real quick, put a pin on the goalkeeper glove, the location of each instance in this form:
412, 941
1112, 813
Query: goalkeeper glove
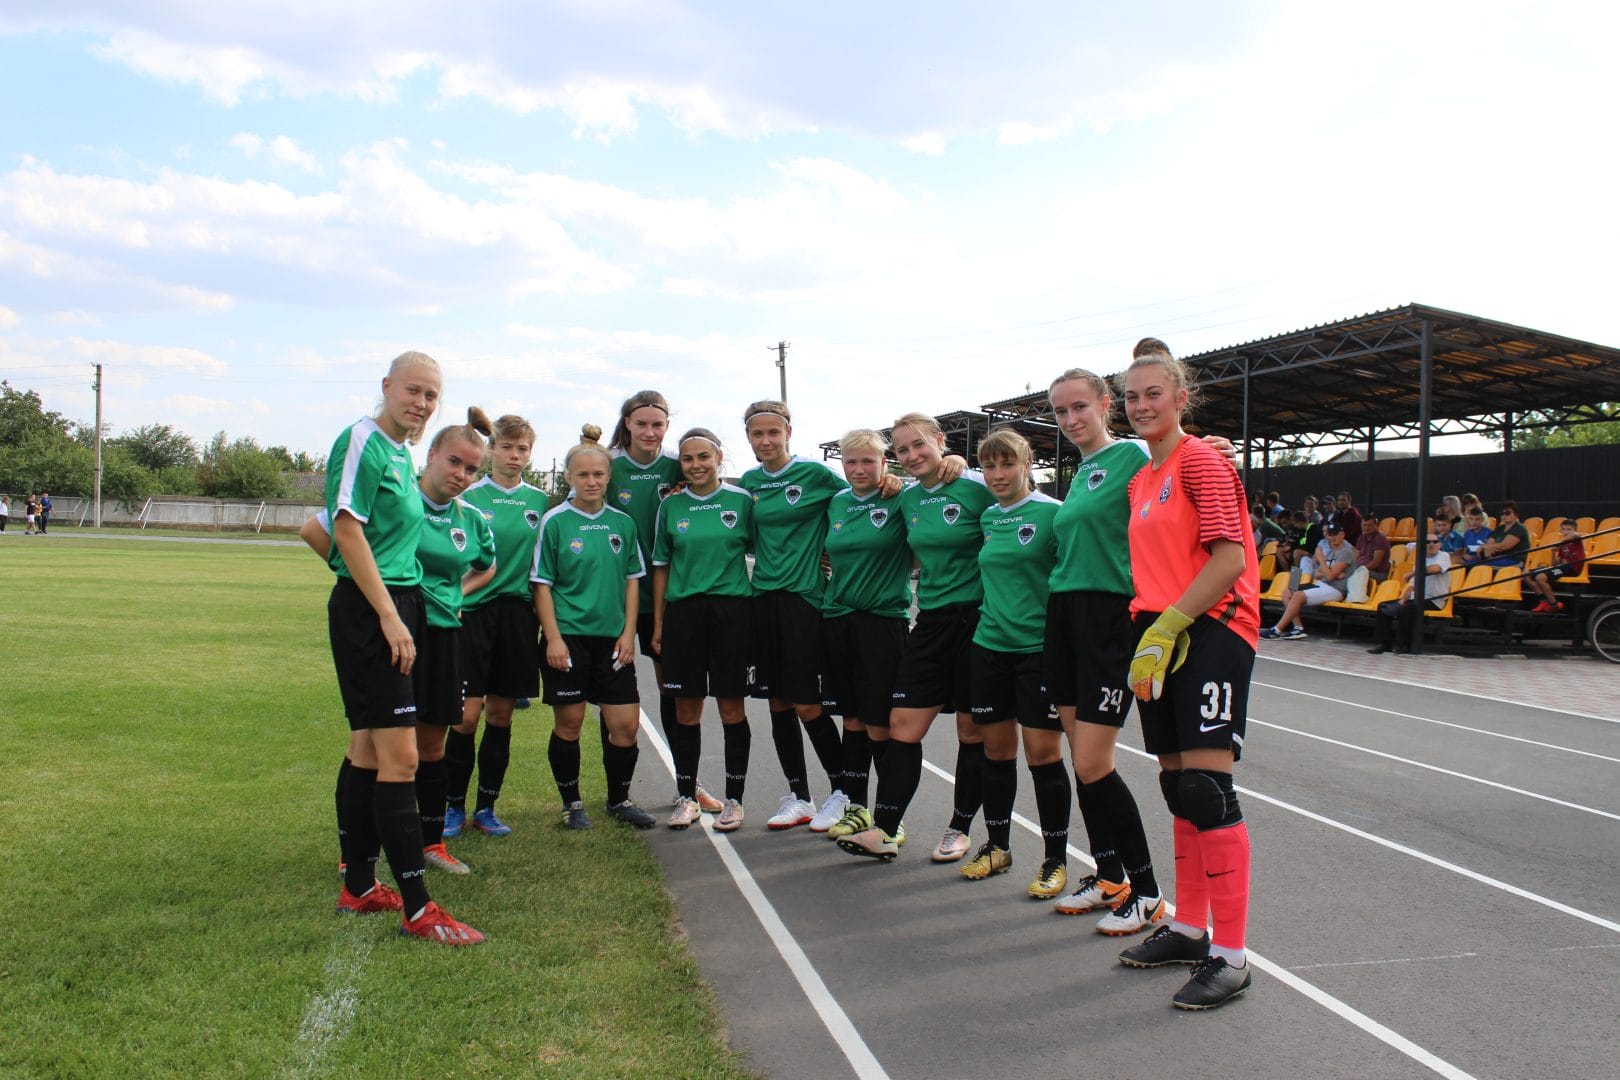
1166, 638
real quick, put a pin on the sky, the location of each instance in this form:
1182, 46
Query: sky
245, 210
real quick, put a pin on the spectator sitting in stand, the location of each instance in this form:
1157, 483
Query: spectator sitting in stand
1509, 540
1308, 541
1265, 529
1454, 511
1347, 516
1308, 508
1331, 570
1475, 535
1451, 540
1569, 557
1274, 507
1396, 618
1372, 548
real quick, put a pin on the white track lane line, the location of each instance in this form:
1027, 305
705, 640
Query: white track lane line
1472, 875
1438, 769
856, 1052
1446, 690
1339, 1008
1442, 723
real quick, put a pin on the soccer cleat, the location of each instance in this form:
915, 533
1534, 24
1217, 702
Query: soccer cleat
871, 843
1214, 982
686, 813
1166, 946
831, 812
1295, 633
631, 814
1270, 633
1541, 609
521, 703
708, 803
856, 819
1134, 914
574, 816
731, 817
952, 846
1092, 894
1050, 880
379, 897
437, 924
989, 861
900, 835
439, 857
455, 817
792, 811
485, 821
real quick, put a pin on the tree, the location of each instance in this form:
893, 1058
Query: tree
241, 470
158, 447
1604, 429
23, 416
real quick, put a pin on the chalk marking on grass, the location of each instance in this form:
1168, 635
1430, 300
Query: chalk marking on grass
856, 1052
1442, 723
1395, 960
1345, 1011
328, 1016
1436, 768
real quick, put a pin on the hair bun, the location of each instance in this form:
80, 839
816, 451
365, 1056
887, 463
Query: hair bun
478, 420
590, 433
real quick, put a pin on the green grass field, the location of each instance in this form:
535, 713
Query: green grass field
170, 857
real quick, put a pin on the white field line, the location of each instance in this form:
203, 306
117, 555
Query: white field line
328, 1016
1436, 768
1442, 723
1472, 875
1448, 691
856, 1052
1394, 960
1315, 993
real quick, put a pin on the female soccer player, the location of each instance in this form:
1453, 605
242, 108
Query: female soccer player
700, 619
375, 618
864, 617
942, 513
1197, 610
501, 637
643, 474
1007, 668
587, 567
1088, 653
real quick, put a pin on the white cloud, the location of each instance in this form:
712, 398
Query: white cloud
224, 409
929, 142
9, 320
224, 74
1023, 133
76, 317
281, 150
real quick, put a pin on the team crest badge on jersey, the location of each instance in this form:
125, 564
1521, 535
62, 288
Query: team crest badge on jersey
615, 543
1164, 492
915, 518
663, 490
624, 496
1095, 480
792, 494
728, 518
683, 524
577, 546
838, 526
532, 517
952, 511
1026, 533
878, 515
458, 537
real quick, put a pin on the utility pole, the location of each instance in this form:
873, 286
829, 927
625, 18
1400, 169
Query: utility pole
97, 388
781, 348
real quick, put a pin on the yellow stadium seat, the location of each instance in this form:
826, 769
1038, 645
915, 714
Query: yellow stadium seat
1552, 527
1506, 586
1268, 567
1534, 525
1586, 525
1405, 529
1386, 525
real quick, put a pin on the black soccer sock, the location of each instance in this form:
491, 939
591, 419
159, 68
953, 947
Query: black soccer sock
494, 754
342, 781
1100, 830
968, 794
458, 766
666, 717
400, 826
564, 757
857, 766
1000, 790
360, 829
1051, 783
785, 728
823, 732
619, 762
898, 781
1125, 825
601, 724
430, 800
739, 738
686, 751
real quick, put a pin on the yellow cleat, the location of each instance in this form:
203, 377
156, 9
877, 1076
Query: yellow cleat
990, 860
1050, 880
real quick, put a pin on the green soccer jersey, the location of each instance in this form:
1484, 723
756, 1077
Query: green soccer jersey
455, 539
637, 489
1015, 563
513, 514
372, 478
586, 559
942, 529
704, 540
790, 523
871, 564
1093, 552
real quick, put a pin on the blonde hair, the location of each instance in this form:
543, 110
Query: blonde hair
409, 361
1151, 352
590, 442
1091, 381
767, 408
641, 399
514, 428
923, 423
473, 432
862, 439
1006, 442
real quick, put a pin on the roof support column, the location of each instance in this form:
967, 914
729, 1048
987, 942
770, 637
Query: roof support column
1420, 514
1372, 451
1507, 456
1245, 423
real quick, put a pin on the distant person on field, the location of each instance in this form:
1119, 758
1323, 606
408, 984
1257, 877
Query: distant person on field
44, 511
5, 511
1567, 559
33, 513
